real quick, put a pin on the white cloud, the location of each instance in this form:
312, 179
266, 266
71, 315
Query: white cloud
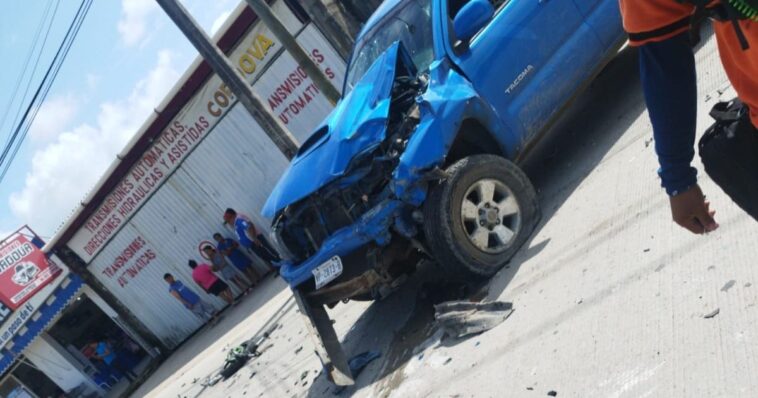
220, 21
135, 15
55, 115
64, 170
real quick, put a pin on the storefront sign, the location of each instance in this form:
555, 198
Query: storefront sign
130, 262
24, 270
5, 313
21, 316
256, 51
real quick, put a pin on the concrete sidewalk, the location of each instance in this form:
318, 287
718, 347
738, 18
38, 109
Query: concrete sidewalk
609, 294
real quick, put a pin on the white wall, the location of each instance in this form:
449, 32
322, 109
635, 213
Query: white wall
53, 360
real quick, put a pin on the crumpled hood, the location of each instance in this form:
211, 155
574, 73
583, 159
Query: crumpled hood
357, 124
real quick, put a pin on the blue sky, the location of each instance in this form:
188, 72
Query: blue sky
126, 58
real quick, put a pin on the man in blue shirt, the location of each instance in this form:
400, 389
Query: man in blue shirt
230, 248
249, 237
104, 352
187, 297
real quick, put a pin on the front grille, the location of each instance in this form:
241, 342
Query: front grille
305, 225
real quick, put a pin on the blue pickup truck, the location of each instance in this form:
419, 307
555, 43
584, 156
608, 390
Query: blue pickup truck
441, 100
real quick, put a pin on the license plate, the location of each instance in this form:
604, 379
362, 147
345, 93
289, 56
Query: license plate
327, 271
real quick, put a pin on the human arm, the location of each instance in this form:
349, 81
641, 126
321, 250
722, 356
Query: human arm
102, 351
179, 297
669, 82
229, 246
242, 228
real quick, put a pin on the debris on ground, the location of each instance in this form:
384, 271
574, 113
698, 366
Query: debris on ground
211, 381
462, 318
237, 358
297, 351
711, 314
552, 393
728, 285
356, 364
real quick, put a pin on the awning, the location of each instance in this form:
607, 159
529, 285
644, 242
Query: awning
41, 320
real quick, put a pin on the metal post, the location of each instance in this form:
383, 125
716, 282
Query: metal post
231, 76
328, 347
288, 42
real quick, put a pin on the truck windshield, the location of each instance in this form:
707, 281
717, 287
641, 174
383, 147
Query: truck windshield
411, 24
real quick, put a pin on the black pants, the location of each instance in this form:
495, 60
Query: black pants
265, 251
729, 150
123, 370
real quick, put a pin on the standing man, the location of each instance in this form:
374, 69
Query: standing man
729, 150
104, 352
219, 264
249, 236
230, 248
187, 297
204, 276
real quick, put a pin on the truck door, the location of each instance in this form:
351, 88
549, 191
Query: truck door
528, 60
604, 17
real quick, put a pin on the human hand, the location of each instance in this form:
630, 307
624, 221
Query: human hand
690, 210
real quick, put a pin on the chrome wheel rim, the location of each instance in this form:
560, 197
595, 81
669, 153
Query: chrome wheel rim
490, 215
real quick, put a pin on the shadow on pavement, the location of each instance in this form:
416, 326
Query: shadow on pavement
577, 144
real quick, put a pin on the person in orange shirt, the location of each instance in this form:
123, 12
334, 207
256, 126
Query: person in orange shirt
665, 31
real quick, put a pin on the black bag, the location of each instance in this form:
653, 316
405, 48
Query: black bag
729, 151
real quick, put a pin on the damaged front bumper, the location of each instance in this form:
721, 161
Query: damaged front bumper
372, 227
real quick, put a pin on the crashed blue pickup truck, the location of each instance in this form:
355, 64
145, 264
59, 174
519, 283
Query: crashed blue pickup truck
441, 100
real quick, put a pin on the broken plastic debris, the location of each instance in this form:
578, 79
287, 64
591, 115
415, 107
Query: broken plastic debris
357, 364
711, 314
462, 318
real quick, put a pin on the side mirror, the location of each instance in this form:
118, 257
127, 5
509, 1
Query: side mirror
472, 18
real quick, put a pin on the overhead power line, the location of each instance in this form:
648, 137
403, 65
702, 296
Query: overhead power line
24, 124
29, 56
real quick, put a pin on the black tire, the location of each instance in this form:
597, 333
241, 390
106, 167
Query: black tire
448, 234
230, 368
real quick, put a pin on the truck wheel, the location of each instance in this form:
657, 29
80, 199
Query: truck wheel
476, 219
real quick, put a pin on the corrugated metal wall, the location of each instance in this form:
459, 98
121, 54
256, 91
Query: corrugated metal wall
234, 166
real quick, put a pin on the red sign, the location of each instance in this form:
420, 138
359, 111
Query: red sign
24, 270
202, 246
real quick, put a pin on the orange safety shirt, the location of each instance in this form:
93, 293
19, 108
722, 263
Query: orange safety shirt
658, 20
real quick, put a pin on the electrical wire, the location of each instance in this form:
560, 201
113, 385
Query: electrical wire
36, 64
21, 130
29, 56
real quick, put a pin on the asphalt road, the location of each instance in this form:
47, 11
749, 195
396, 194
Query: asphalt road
609, 295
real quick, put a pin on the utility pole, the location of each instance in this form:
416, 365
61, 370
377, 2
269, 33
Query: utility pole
231, 76
290, 44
